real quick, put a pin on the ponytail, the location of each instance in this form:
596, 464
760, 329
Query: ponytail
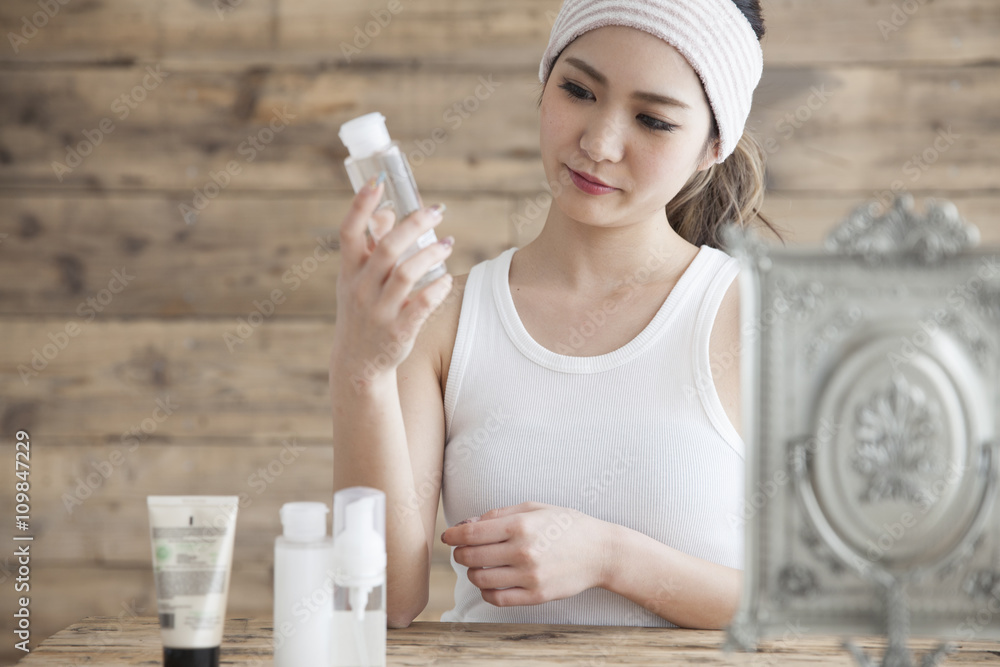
729, 192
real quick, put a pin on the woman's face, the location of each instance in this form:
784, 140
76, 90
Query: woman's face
596, 120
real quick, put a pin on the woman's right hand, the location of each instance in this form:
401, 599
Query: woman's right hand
378, 319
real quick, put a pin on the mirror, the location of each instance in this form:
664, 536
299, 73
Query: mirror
871, 382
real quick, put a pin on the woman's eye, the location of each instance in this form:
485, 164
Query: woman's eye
574, 90
651, 124
654, 124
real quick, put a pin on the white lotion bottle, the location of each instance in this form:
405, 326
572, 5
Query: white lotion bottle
372, 151
303, 568
359, 619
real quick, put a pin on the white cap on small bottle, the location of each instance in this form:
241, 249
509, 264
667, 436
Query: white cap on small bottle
365, 135
304, 522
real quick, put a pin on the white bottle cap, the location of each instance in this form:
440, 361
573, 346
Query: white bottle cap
304, 522
365, 135
359, 533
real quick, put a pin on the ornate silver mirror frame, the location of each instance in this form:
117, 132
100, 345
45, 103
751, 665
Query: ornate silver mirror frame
871, 384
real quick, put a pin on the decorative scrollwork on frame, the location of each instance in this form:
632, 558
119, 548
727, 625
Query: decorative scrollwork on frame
983, 584
833, 330
970, 335
803, 299
901, 232
821, 550
798, 581
962, 559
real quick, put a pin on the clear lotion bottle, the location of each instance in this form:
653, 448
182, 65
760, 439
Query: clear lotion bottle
359, 619
372, 152
303, 566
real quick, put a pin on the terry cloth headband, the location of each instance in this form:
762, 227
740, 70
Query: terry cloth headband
713, 35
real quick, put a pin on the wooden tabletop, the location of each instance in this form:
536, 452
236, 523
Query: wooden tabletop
247, 642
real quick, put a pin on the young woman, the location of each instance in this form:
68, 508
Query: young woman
574, 401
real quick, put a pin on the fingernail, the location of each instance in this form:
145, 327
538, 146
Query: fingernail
447, 242
376, 181
470, 520
437, 209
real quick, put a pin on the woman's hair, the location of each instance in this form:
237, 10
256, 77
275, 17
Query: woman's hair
728, 192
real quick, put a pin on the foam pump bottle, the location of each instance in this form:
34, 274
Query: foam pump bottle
359, 620
303, 568
372, 152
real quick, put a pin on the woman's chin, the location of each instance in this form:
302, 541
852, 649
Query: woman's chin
587, 212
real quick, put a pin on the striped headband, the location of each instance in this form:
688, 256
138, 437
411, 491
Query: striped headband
713, 35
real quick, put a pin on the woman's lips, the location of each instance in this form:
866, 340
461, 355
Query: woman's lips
589, 186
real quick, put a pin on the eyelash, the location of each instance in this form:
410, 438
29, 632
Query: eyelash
656, 126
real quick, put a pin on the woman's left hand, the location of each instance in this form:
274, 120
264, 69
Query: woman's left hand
532, 553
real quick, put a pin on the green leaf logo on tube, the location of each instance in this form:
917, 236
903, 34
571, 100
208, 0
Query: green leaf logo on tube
192, 544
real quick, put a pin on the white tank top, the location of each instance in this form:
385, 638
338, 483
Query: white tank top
637, 437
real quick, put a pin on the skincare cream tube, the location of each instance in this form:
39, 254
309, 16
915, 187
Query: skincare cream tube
192, 538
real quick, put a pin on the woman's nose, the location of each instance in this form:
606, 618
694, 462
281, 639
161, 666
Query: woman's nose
603, 140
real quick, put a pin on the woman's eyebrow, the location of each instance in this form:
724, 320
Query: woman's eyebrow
639, 95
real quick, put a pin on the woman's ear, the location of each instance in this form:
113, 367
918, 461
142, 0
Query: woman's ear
711, 155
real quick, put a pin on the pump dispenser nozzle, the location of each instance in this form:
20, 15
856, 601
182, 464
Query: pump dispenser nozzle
360, 552
359, 569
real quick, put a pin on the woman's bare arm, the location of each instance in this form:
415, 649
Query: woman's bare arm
376, 367
374, 446
687, 591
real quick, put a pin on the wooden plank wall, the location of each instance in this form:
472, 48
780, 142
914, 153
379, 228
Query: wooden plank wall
140, 103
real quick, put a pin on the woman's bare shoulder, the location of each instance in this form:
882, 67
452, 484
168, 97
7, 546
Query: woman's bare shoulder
724, 353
